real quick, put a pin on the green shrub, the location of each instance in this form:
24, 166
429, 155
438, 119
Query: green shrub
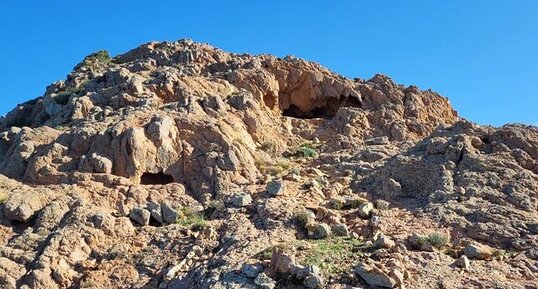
194, 220
437, 239
307, 151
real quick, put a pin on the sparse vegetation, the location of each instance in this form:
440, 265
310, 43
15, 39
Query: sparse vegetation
272, 168
334, 256
307, 151
101, 56
437, 240
194, 220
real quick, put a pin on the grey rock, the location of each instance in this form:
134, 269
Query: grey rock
322, 231
365, 210
170, 215
140, 215
375, 277
264, 281
251, 271
306, 271
463, 262
276, 188
156, 212
313, 281
241, 200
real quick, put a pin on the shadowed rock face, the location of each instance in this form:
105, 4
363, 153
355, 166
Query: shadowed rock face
151, 170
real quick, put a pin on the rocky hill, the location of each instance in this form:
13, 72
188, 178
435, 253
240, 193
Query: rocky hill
179, 165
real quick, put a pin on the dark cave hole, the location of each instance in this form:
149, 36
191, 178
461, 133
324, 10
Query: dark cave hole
326, 111
156, 179
352, 102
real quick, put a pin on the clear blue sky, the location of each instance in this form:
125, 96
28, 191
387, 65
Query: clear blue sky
483, 55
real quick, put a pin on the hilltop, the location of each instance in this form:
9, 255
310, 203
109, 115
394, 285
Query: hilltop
179, 165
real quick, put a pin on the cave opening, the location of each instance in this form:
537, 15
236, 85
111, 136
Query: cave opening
156, 179
352, 102
326, 111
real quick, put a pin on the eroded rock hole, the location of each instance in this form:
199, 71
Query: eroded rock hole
326, 111
352, 102
156, 179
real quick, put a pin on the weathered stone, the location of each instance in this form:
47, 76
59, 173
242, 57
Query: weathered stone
374, 276
276, 188
241, 200
140, 215
156, 211
463, 262
340, 230
321, 231
365, 210
265, 281
170, 215
251, 271
475, 251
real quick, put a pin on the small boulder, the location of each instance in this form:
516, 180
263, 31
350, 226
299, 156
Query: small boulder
463, 262
383, 242
365, 210
321, 231
170, 215
313, 281
241, 200
156, 212
307, 271
251, 271
475, 251
375, 276
264, 281
276, 188
140, 215
340, 230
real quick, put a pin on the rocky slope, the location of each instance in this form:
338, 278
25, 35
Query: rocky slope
178, 165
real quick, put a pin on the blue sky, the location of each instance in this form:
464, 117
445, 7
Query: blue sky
483, 55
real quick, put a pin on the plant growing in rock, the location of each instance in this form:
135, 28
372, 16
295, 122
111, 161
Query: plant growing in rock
437, 240
307, 151
335, 255
192, 219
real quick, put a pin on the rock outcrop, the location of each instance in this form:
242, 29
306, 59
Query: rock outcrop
179, 165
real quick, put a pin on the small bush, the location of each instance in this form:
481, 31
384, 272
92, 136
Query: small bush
192, 219
307, 151
437, 239
99, 56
